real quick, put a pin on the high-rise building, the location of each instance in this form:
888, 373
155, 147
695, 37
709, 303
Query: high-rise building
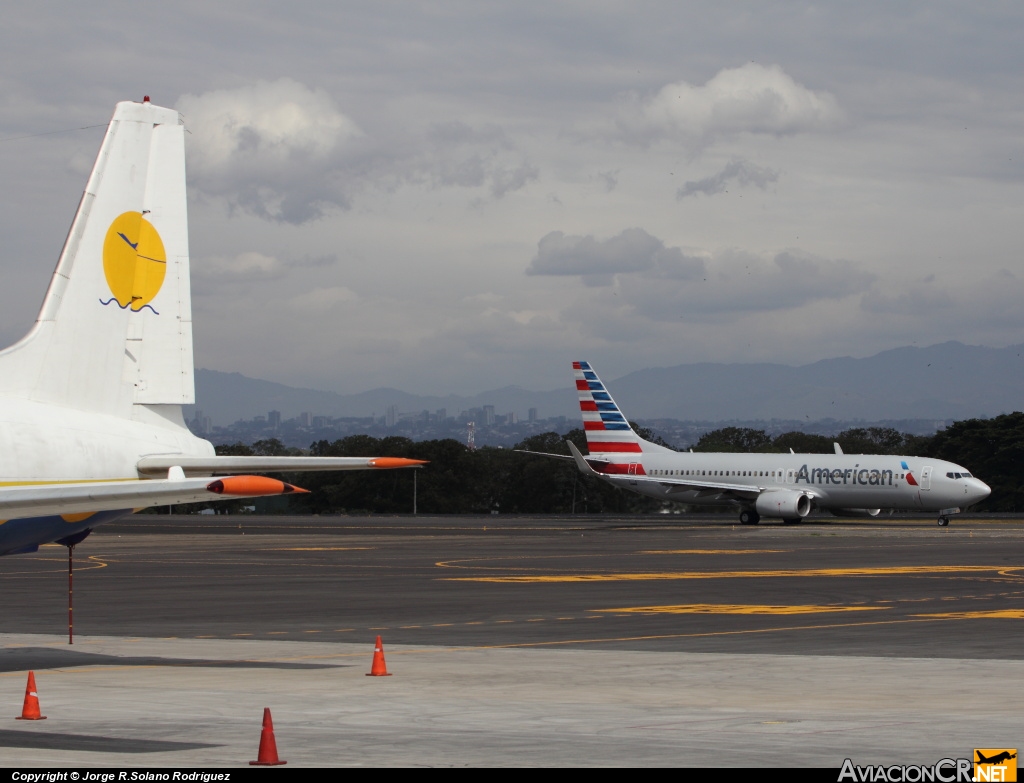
274, 419
391, 416
531, 415
306, 419
488, 414
442, 414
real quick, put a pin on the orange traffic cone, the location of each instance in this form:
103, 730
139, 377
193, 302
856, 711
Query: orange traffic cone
378, 669
30, 710
267, 756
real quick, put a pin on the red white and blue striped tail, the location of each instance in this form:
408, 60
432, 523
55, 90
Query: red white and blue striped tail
607, 430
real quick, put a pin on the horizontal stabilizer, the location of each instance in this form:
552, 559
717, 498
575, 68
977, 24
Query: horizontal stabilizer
209, 466
39, 500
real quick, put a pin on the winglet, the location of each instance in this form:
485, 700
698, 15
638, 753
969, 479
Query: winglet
839, 449
581, 463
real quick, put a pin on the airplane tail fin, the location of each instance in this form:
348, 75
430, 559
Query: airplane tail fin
115, 328
607, 430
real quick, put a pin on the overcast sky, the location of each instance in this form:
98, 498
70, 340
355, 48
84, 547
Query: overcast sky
451, 197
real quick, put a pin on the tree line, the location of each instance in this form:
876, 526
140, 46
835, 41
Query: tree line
495, 480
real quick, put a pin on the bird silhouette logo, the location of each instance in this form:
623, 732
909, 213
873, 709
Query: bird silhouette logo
134, 262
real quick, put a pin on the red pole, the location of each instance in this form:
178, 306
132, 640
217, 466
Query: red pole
71, 635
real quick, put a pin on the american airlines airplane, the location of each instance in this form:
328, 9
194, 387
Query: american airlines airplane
91, 426
782, 486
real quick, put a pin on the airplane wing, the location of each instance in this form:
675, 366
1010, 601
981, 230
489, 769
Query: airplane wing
543, 454
38, 500
208, 466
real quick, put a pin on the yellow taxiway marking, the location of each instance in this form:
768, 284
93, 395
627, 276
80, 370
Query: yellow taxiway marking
790, 572
710, 551
1002, 614
733, 609
90, 563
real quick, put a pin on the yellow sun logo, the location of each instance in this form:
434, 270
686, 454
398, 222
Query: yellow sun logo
134, 261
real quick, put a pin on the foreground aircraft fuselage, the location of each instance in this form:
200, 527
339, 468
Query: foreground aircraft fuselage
91, 425
784, 486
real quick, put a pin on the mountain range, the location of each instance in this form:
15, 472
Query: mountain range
945, 381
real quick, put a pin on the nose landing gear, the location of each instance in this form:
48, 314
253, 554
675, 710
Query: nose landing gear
943, 521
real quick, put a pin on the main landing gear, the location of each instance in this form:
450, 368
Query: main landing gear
749, 517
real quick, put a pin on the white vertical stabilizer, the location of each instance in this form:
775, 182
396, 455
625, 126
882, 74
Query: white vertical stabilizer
115, 328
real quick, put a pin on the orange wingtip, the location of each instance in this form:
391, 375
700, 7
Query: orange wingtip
251, 486
396, 462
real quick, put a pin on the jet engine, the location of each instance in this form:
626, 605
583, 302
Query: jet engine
784, 503
855, 512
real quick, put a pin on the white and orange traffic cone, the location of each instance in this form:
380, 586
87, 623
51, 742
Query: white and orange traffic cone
30, 710
267, 757
378, 668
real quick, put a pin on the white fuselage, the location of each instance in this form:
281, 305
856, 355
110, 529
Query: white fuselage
840, 481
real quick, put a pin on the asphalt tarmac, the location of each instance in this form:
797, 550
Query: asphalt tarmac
518, 641
904, 588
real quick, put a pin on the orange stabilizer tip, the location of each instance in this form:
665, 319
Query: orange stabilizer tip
251, 486
396, 462
378, 668
267, 757
30, 710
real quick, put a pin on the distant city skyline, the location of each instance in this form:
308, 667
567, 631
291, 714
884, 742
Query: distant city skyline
505, 431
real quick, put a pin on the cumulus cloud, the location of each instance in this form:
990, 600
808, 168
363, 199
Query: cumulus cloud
739, 171
321, 299
750, 99
244, 266
455, 154
267, 147
738, 282
610, 179
252, 266
285, 152
598, 261
918, 301
643, 277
